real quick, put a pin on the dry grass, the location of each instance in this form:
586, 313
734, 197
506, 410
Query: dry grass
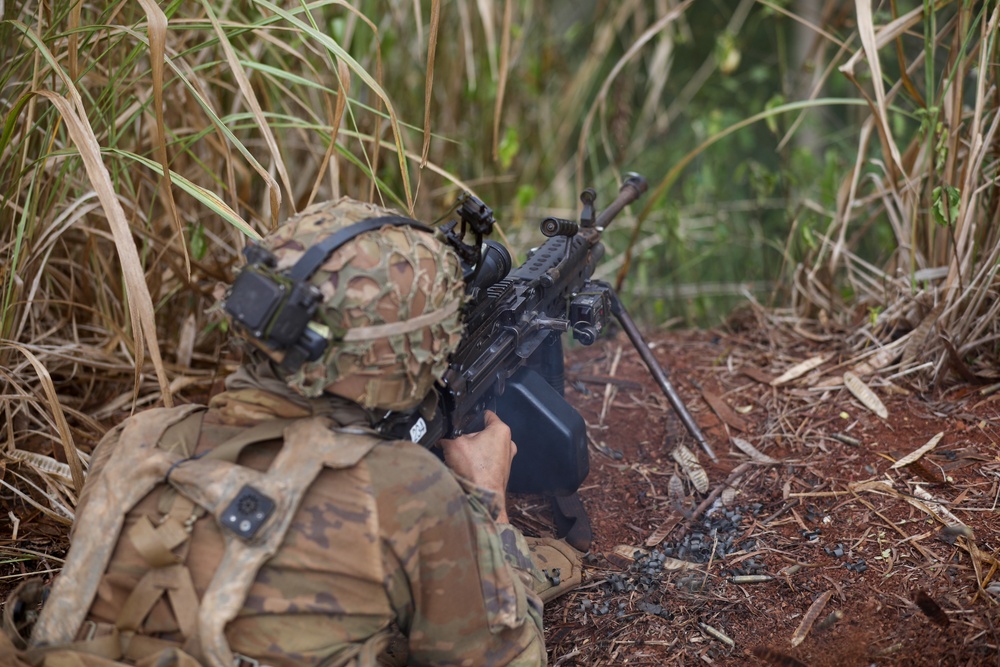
927, 167
140, 149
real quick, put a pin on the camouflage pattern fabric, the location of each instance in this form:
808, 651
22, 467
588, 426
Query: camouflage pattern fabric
391, 302
395, 542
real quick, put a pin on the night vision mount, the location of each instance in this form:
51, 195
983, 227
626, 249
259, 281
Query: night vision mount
277, 307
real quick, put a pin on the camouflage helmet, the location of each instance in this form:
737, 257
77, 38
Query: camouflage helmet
391, 301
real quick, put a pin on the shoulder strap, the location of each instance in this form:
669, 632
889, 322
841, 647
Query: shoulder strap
213, 481
309, 446
97, 529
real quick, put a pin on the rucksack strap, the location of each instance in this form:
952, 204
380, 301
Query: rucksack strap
212, 482
138, 460
310, 445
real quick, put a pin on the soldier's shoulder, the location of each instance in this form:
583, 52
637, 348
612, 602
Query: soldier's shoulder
405, 469
392, 457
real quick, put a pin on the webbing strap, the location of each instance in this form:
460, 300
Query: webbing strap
156, 544
230, 449
316, 255
173, 581
309, 446
138, 460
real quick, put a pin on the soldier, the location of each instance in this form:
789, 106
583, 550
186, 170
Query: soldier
279, 525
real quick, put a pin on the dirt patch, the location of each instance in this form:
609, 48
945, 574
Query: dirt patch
828, 544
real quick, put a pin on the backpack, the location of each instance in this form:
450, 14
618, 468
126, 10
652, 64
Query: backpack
253, 510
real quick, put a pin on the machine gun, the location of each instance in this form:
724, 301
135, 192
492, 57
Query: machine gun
510, 359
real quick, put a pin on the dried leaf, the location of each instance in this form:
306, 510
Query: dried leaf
757, 374
185, 342
872, 485
915, 339
623, 555
931, 609
878, 360
724, 412
43, 464
917, 453
661, 533
689, 464
933, 506
728, 496
629, 552
753, 452
675, 564
675, 487
798, 370
813, 613
867, 397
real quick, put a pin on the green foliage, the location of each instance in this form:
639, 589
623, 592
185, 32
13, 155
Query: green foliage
945, 202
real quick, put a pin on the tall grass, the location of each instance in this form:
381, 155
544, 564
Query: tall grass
142, 143
925, 179
140, 146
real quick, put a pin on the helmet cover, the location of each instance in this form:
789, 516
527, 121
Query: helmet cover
391, 306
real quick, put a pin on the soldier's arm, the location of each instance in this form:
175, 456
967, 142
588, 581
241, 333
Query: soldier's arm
460, 581
484, 459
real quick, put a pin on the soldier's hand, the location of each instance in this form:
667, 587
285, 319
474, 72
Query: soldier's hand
484, 458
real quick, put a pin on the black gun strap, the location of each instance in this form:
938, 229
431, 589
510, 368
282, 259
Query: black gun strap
316, 255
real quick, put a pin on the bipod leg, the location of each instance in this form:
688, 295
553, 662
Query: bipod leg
658, 373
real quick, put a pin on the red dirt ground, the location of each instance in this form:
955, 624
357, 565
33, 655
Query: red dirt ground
804, 520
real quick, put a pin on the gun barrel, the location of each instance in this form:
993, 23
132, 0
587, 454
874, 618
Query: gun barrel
633, 188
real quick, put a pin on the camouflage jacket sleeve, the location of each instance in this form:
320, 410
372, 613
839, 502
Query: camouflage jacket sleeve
460, 584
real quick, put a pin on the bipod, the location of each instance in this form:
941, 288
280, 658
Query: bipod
642, 347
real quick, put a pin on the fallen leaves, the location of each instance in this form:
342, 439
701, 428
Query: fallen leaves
723, 411
755, 455
864, 394
917, 453
689, 464
813, 613
798, 370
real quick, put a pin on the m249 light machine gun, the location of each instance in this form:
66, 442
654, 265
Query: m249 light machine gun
511, 356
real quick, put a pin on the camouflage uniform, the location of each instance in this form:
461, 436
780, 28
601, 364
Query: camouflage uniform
396, 541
